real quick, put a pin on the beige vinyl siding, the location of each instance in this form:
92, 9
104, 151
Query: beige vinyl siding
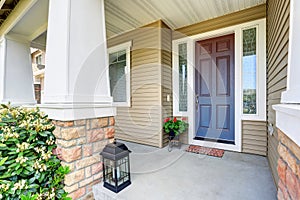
254, 137
231, 19
141, 122
277, 60
166, 72
151, 82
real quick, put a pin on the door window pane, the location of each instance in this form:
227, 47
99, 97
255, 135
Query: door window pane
249, 71
182, 77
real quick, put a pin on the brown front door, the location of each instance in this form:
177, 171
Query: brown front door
214, 85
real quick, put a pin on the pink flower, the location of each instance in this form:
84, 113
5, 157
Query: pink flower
166, 120
184, 118
174, 120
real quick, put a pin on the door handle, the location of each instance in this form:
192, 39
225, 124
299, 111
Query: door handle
197, 101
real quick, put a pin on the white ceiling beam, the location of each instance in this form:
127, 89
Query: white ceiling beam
16, 15
2, 3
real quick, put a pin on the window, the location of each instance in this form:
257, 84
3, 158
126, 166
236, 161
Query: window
119, 73
38, 59
182, 76
253, 70
249, 61
181, 67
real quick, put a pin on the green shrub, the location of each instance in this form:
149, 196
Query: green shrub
28, 168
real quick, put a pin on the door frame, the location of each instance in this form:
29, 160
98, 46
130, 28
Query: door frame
239, 116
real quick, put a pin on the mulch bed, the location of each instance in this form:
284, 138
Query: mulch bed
205, 150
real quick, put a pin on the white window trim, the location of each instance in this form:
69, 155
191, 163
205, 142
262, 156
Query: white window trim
261, 107
124, 46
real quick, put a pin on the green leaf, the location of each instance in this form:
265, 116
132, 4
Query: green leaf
40, 142
4, 106
17, 166
8, 162
29, 168
31, 181
37, 175
9, 120
26, 172
43, 134
2, 145
41, 178
34, 186
2, 124
6, 175
3, 161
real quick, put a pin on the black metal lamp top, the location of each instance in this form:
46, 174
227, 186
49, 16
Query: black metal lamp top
115, 151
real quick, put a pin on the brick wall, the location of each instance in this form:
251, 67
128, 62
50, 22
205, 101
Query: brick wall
288, 168
79, 144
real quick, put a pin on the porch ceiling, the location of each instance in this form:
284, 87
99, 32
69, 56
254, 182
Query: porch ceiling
125, 15
6, 6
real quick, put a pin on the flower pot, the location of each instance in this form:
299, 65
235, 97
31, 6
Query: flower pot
171, 135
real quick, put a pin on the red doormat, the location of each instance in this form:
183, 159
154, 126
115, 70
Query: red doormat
206, 150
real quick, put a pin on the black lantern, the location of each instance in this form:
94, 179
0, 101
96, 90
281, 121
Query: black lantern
116, 166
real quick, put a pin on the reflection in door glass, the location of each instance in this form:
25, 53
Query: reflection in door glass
249, 71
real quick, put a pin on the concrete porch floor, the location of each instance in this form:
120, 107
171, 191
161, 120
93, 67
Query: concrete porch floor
177, 175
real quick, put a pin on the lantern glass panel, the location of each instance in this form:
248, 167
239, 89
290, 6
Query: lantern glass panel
124, 172
109, 171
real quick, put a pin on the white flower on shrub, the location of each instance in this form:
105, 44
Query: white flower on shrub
5, 187
20, 185
39, 166
40, 149
52, 194
47, 155
50, 141
21, 159
8, 133
23, 146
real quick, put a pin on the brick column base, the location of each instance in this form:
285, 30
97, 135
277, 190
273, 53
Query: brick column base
288, 168
79, 144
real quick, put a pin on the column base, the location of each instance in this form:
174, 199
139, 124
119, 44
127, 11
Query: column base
288, 120
67, 112
17, 102
291, 96
79, 145
288, 168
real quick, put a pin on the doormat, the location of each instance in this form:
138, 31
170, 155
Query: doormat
206, 150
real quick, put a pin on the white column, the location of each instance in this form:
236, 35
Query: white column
292, 95
16, 78
76, 74
288, 112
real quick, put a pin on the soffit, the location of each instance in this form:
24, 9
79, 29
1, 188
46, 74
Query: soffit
125, 15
